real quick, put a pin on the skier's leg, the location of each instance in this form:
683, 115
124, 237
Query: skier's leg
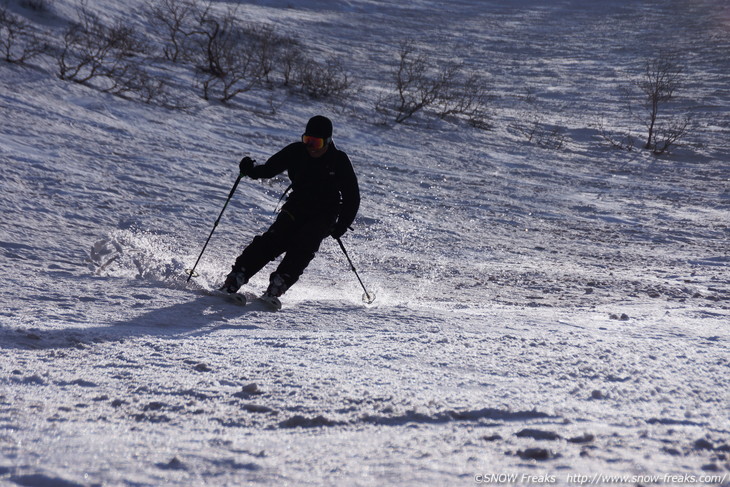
302, 249
265, 247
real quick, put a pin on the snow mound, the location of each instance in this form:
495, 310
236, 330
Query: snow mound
137, 254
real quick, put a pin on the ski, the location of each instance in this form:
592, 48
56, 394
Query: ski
247, 299
270, 302
235, 298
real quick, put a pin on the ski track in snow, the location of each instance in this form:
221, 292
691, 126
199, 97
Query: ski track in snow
538, 311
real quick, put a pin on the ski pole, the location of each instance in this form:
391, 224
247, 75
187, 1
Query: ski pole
367, 297
191, 272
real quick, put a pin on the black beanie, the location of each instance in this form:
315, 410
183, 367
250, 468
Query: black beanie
319, 126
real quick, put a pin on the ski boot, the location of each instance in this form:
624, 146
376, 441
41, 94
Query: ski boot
277, 287
234, 281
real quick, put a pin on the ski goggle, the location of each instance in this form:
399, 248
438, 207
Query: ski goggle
315, 143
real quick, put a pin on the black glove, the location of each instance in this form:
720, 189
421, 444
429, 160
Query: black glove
338, 230
246, 165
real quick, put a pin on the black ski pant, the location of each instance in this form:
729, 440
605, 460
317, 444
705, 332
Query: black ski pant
297, 237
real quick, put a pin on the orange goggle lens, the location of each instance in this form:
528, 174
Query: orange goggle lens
315, 143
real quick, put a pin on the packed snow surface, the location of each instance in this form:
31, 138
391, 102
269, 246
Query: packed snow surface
550, 312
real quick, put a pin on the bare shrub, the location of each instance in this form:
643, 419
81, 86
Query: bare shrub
649, 98
414, 88
669, 133
540, 125
226, 59
623, 141
174, 18
660, 81
320, 80
466, 97
542, 134
420, 85
289, 57
107, 58
93, 50
270, 49
231, 57
18, 42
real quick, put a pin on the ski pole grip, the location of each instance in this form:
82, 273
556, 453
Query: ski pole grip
246, 165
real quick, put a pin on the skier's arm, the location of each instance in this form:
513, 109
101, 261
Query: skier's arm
350, 192
276, 164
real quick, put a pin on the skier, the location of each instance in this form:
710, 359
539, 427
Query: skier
324, 200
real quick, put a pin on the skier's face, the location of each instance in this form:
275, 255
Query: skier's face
316, 146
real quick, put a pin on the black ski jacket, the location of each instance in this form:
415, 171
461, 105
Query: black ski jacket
324, 187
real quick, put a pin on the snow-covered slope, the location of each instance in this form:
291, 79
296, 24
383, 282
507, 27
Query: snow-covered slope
543, 312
